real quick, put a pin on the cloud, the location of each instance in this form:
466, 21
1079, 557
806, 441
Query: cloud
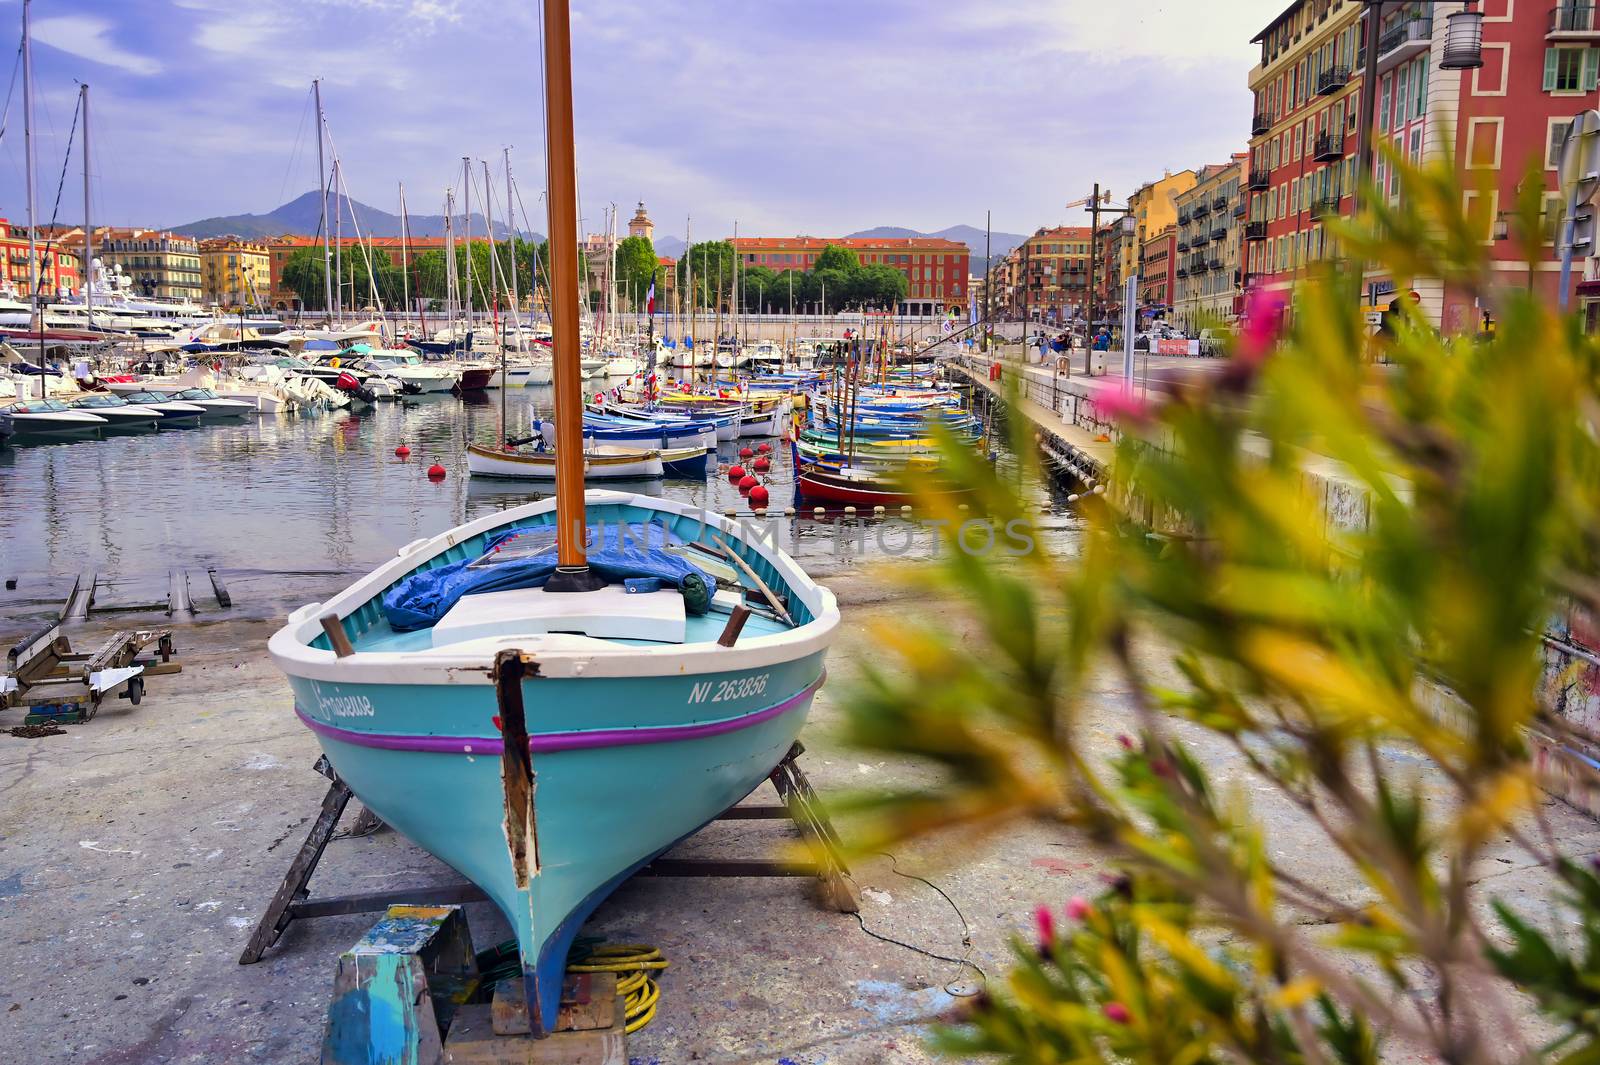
90, 38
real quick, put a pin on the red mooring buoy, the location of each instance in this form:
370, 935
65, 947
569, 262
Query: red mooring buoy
746, 483
735, 472
402, 451
762, 464
758, 497
436, 472
745, 453
763, 447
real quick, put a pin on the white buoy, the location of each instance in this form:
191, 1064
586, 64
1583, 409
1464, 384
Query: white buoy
1073, 498
877, 510
849, 510
905, 508
820, 511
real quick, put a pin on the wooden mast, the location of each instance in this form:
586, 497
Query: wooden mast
572, 566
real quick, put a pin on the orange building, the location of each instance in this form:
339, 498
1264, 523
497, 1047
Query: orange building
282, 248
935, 269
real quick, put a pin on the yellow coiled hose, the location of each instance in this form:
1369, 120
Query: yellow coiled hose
633, 963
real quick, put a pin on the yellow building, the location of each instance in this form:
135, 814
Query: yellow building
234, 272
159, 263
1154, 207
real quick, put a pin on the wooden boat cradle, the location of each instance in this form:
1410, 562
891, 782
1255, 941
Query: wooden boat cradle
798, 803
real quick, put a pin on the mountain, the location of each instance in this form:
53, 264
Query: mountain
971, 236
670, 247
303, 215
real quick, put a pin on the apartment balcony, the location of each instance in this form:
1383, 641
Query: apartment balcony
1183, 218
1573, 22
1328, 147
1200, 209
1410, 38
1255, 231
1332, 80
1214, 263
1219, 232
1326, 205
1260, 123
1199, 239
1183, 271
1219, 203
1241, 208
1260, 179
1183, 245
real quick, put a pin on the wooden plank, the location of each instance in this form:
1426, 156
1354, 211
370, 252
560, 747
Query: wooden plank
588, 1002
219, 589
337, 637
730, 632
278, 914
472, 1042
118, 650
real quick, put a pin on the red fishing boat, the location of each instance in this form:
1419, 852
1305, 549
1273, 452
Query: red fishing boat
858, 487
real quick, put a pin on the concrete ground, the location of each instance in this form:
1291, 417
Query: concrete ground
138, 850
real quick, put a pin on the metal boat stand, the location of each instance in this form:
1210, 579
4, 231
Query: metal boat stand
799, 804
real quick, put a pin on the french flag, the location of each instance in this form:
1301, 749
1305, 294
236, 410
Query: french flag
650, 299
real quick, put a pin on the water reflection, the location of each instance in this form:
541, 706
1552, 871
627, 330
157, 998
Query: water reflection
296, 493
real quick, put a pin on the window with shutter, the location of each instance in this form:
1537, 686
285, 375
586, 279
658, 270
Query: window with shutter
1550, 58
1591, 69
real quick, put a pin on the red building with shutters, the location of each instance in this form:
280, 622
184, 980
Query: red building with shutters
1539, 67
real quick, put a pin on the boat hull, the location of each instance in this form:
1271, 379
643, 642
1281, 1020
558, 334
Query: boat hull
541, 466
593, 787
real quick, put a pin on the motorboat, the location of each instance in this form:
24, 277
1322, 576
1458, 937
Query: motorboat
410, 369
173, 412
623, 366
474, 378
51, 417
213, 406
118, 411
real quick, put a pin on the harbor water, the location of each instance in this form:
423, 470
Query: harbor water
285, 507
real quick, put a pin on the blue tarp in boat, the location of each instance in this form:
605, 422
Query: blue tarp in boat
526, 557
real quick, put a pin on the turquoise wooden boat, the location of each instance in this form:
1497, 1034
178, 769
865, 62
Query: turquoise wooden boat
640, 727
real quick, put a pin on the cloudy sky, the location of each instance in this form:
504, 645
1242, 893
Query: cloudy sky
808, 116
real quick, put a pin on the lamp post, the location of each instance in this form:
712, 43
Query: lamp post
1463, 51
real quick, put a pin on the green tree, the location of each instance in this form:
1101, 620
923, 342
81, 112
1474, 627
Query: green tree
1312, 641
636, 267
877, 285
303, 272
711, 259
834, 257
833, 288
757, 286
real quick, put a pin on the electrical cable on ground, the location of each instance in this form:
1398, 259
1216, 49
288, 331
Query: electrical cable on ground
965, 961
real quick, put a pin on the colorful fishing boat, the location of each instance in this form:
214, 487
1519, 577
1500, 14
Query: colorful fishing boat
548, 697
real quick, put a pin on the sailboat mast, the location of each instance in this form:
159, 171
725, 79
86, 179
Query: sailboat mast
733, 300
466, 211
572, 568
87, 270
322, 192
34, 271
488, 221
405, 259
338, 241
511, 221
450, 264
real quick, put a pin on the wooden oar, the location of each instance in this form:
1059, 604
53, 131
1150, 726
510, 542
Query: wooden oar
760, 584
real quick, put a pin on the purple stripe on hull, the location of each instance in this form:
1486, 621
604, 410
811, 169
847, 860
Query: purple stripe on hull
559, 741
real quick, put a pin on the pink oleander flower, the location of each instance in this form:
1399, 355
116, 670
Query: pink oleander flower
1078, 908
1114, 404
1263, 325
1116, 1011
1046, 922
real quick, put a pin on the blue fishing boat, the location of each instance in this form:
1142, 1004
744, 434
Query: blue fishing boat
640, 726
548, 697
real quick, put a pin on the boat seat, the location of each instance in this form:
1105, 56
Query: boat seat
608, 613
